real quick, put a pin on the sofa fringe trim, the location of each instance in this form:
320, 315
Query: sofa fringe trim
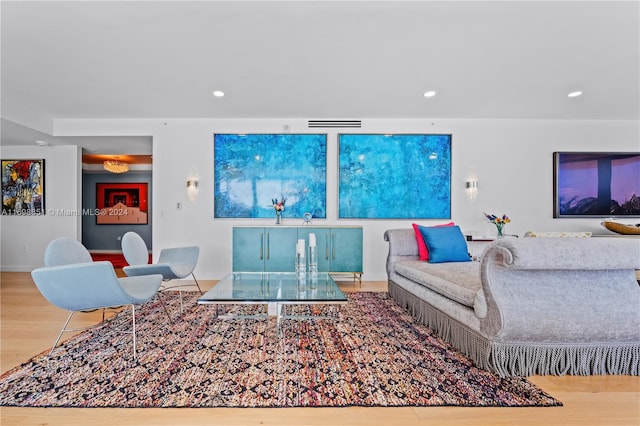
522, 360
579, 360
461, 337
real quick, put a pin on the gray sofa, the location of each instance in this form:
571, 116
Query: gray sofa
532, 305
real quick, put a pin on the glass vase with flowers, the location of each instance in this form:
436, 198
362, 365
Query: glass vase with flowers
278, 207
499, 222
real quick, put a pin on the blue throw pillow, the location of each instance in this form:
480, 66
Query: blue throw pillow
445, 244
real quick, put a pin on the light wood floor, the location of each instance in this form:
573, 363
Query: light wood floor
30, 324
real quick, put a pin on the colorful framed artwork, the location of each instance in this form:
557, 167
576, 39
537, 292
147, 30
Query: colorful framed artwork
394, 176
122, 204
252, 170
23, 187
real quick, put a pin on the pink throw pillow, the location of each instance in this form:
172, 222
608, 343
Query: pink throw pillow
422, 246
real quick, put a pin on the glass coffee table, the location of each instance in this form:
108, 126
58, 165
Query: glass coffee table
274, 290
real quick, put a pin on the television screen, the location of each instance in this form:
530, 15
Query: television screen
596, 184
394, 176
251, 170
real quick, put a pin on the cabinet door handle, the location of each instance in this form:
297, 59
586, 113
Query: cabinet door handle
333, 246
268, 246
261, 245
326, 246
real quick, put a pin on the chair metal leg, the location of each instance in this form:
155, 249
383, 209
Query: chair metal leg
164, 306
133, 326
180, 290
199, 288
64, 328
179, 286
164, 288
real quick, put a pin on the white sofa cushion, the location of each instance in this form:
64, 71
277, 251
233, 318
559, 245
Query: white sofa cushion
458, 281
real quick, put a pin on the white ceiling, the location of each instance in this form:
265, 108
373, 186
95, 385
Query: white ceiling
318, 60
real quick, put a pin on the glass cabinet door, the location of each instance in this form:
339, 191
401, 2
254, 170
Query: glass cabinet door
248, 249
280, 249
346, 250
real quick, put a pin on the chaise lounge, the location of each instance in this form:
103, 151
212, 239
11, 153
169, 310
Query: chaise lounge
531, 305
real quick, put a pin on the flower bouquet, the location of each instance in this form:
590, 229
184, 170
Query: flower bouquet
499, 222
278, 206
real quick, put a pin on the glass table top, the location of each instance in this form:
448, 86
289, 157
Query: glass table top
268, 287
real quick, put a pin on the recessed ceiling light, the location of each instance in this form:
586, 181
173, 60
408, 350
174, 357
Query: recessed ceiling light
430, 94
575, 94
218, 93
42, 143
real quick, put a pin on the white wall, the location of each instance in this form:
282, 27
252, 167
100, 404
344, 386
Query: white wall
24, 238
511, 158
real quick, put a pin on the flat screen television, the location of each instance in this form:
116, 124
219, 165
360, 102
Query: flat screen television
596, 184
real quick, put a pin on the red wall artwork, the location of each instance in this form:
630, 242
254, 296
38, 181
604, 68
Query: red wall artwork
122, 203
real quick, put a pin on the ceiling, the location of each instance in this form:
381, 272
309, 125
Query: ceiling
313, 60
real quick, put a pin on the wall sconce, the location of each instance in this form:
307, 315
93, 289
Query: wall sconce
192, 189
472, 188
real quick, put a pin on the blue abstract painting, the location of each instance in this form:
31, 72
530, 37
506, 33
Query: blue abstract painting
252, 170
398, 176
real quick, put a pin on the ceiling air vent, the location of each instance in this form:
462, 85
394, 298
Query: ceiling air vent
315, 124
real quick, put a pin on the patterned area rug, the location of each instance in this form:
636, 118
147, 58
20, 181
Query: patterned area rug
373, 354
